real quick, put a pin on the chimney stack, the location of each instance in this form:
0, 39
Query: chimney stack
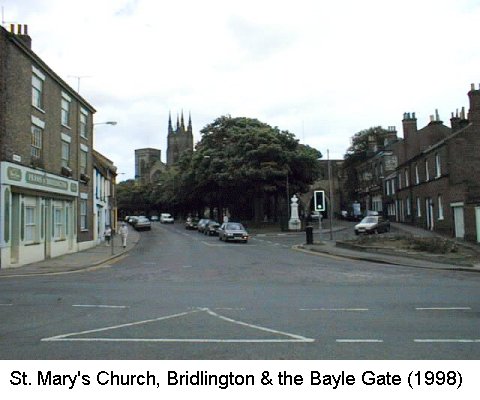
474, 112
409, 123
22, 34
458, 121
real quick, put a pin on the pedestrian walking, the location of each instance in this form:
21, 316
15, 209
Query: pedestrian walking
124, 233
108, 234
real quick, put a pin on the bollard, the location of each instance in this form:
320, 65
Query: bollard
309, 233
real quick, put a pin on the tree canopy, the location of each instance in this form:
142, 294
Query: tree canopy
237, 164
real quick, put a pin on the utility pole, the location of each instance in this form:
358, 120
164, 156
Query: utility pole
330, 189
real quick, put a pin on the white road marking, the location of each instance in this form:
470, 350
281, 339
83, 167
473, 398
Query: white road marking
6, 305
98, 306
65, 336
297, 337
441, 308
334, 309
181, 340
447, 340
359, 341
290, 337
230, 308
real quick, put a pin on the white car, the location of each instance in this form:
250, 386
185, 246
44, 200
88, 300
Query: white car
166, 218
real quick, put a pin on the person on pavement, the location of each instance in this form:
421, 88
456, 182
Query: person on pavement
124, 233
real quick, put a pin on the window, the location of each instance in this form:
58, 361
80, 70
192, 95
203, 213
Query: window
399, 180
57, 222
393, 186
65, 154
419, 209
83, 215
407, 178
427, 173
440, 207
387, 187
83, 123
65, 112
36, 149
83, 162
37, 91
438, 166
407, 206
30, 224
417, 176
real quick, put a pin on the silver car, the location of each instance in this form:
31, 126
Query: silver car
372, 224
233, 231
142, 224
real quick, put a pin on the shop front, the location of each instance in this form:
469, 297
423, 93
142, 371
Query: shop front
37, 215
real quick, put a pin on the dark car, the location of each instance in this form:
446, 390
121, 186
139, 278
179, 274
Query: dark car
191, 223
372, 224
201, 224
211, 228
233, 231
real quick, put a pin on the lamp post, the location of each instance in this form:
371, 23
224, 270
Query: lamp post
330, 190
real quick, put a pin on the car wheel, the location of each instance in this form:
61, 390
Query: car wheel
356, 233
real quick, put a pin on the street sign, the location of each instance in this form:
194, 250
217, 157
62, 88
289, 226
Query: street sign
319, 200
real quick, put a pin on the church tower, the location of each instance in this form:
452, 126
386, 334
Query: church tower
179, 139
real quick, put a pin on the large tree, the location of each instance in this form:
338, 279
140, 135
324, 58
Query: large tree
364, 144
239, 161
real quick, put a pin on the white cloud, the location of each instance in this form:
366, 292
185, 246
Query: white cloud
322, 69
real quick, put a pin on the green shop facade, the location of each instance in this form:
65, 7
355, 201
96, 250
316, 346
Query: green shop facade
38, 215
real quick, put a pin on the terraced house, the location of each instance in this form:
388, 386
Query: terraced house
46, 200
437, 185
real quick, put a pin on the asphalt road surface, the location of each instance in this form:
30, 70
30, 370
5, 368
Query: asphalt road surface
183, 295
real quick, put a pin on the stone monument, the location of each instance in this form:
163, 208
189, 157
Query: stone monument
294, 224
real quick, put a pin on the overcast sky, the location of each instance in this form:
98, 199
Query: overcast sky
323, 70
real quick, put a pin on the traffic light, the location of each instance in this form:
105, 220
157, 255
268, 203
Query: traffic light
319, 200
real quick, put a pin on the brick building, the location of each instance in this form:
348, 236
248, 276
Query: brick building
46, 202
437, 185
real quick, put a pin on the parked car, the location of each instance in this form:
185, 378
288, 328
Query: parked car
372, 224
154, 218
211, 228
131, 220
166, 218
142, 224
201, 224
232, 231
191, 223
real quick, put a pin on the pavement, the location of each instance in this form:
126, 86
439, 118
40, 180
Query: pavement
341, 248
102, 254
80, 261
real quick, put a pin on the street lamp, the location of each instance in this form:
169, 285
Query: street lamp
330, 190
106, 123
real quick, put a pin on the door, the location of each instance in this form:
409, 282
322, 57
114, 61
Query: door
459, 222
477, 222
429, 213
48, 222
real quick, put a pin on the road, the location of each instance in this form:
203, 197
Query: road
182, 295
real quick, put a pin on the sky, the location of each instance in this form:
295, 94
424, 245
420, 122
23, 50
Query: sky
323, 70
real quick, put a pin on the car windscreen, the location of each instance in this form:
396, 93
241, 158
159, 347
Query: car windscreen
369, 220
234, 227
